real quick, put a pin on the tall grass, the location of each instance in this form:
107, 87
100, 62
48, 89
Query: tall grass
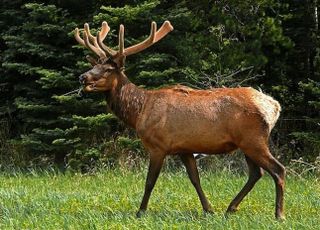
109, 200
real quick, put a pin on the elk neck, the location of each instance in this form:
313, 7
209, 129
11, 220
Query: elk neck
126, 100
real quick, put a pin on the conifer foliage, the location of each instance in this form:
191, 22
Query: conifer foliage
214, 44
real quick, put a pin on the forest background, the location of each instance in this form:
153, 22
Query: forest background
270, 45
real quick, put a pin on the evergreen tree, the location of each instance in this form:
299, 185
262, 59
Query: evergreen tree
299, 92
261, 43
40, 64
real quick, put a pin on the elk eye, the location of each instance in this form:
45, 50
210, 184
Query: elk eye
96, 78
109, 69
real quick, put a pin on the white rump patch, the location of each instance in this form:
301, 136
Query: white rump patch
268, 107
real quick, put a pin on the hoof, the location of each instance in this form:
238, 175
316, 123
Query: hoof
140, 213
280, 217
208, 211
232, 209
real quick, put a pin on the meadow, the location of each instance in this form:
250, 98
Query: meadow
109, 200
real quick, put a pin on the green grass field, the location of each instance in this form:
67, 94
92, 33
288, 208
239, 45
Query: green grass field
109, 200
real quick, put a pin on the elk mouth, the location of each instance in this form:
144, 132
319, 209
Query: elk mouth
90, 86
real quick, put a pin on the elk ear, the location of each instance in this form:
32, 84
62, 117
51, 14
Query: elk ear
91, 60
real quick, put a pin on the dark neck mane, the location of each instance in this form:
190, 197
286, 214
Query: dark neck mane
126, 100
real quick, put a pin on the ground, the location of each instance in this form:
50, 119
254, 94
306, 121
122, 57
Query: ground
109, 200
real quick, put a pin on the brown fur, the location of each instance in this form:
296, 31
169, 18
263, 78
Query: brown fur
181, 120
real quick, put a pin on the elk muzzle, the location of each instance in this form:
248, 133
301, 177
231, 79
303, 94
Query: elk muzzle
82, 78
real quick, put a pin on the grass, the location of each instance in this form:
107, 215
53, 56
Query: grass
109, 200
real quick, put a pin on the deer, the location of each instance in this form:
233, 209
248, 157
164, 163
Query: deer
180, 120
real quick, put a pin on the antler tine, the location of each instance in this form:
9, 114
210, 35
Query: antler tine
121, 40
104, 30
101, 36
77, 37
95, 47
87, 30
163, 31
145, 44
153, 38
85, 42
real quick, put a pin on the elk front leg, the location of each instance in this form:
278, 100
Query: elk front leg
191, 167
156, 162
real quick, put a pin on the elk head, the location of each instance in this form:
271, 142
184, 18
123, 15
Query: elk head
106, 70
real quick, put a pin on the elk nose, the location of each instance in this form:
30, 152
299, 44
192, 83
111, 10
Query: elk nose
82, 78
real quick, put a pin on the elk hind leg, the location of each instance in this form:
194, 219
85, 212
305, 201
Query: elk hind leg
255, 173
262, 157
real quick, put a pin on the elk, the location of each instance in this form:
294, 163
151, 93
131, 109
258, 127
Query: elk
181, 120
